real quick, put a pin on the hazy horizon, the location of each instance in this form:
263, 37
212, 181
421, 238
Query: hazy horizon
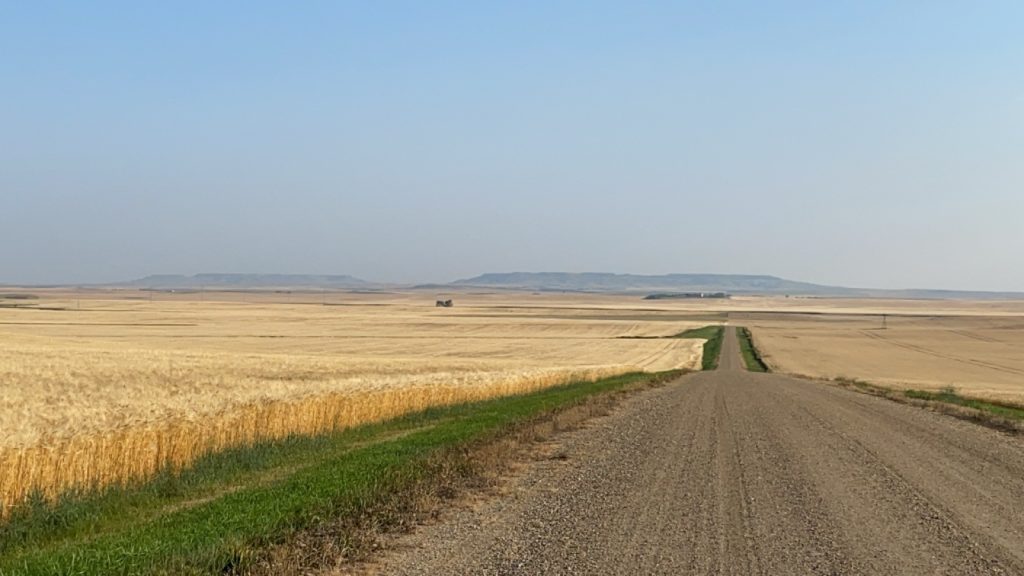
373, 282
872, 145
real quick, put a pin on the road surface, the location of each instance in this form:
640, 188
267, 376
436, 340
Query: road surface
730, 472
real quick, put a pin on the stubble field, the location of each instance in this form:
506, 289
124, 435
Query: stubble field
976, 348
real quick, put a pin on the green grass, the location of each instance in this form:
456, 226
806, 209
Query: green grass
751, 357
713, 334
950, 396
222, 513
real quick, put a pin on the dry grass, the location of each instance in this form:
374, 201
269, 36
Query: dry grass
103, 388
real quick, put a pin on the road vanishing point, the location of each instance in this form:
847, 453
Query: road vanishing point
731, 472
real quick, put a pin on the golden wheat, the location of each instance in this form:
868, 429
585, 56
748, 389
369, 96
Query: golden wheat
115, 390
132, 453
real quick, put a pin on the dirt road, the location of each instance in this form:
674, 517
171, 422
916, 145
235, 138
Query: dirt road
729, 472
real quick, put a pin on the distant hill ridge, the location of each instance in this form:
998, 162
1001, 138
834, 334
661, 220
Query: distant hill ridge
739, 284
668, 283
601, 281
228, 280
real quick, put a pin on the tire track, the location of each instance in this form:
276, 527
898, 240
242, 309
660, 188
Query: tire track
929, 352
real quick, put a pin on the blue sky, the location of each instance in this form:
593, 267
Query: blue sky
859, 143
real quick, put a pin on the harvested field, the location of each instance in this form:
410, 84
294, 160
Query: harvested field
107, 387
976, 348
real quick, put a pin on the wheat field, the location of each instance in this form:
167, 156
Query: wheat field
106, 388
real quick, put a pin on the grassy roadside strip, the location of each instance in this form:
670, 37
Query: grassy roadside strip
284, 507
751, 356
1000, 416
713, 345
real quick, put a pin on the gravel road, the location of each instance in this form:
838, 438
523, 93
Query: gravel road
730, 472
